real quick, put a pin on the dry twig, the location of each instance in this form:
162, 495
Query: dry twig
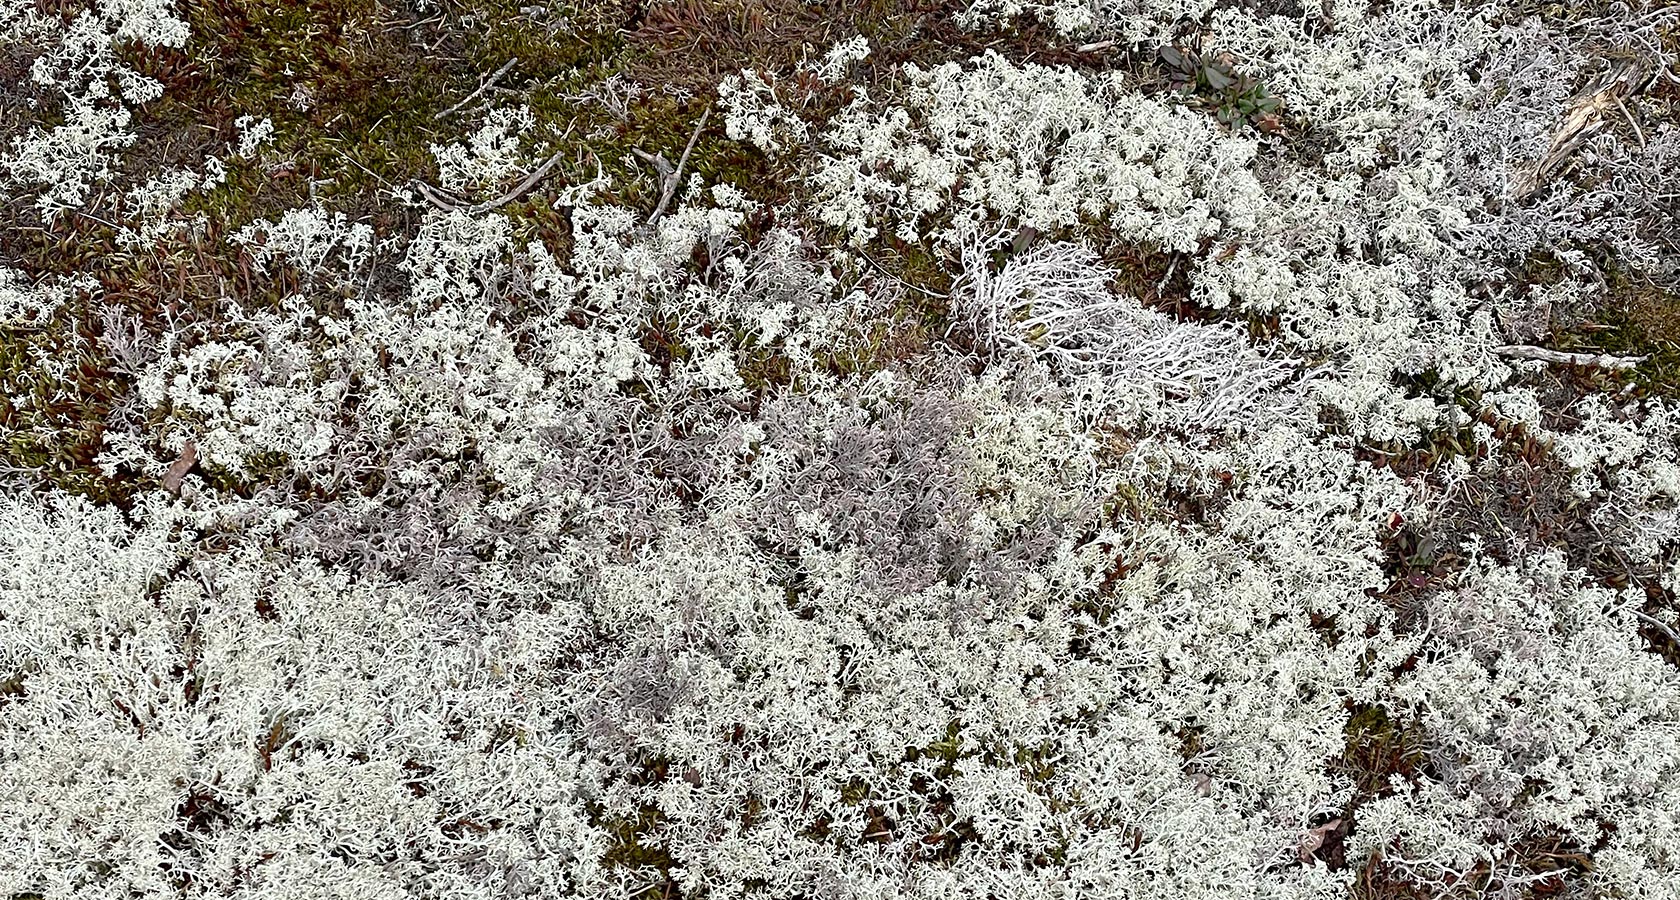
671, 178
1601, 360
523, 187
449, 203
495, 77
1654, 623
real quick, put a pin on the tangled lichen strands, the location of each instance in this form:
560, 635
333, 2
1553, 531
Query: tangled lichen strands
1054, 300
1221, 464
62, 163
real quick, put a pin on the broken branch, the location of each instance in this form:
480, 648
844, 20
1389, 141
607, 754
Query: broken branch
524, 187
449, 203
670, 179
1587, 117
1601, 360
481, 88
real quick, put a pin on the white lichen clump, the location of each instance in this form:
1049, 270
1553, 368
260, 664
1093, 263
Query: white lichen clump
77, 72
642, 563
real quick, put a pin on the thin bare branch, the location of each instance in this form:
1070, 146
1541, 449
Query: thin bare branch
523, 188
675, 179
1654, 623
1543, 354
449, 203
437, 196
495, 77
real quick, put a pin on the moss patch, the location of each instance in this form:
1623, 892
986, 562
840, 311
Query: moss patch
1640, 318
56, 391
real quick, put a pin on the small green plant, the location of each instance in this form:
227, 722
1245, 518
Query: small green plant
1235, 97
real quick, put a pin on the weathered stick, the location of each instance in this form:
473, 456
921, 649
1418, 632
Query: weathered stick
1601, 360
449, 203
1587, 117
524, 187
437, 197
1667, 631
497, 76
674, 180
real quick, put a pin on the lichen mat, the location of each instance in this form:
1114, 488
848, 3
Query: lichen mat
904, 449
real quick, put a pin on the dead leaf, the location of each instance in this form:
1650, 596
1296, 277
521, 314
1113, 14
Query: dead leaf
1024, 239
1203, 783
178, 469
1314, 838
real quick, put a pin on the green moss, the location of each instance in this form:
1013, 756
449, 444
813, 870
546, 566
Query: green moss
854, 792
56, 390
1039, 764
260, 469
1380, 747
948, 750
1639, 318
352, 93
355, 91
632, 839
552, 46
763, 370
